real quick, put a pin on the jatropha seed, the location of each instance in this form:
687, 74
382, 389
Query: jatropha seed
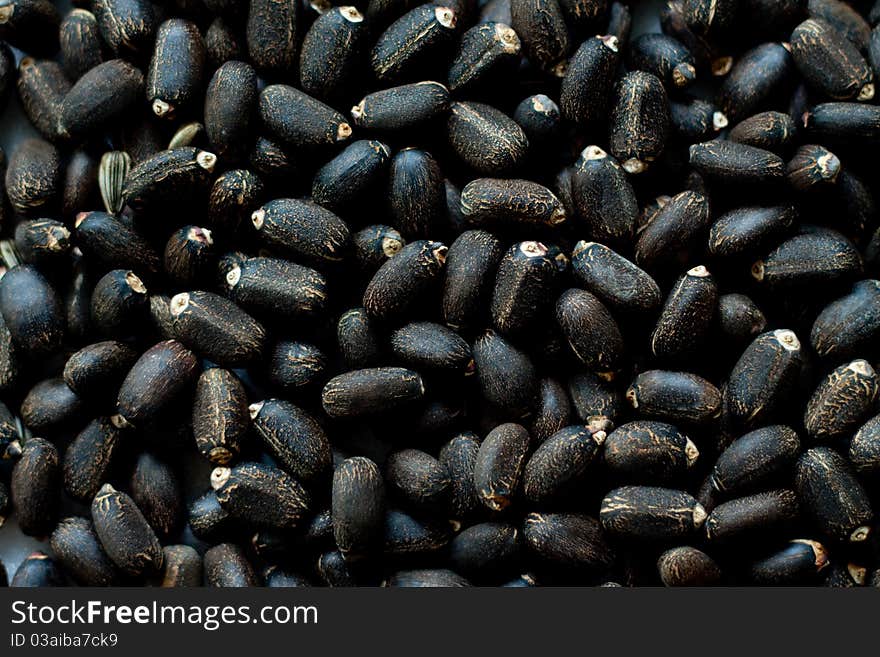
493, 293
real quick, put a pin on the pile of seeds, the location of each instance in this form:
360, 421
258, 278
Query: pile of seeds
442, 294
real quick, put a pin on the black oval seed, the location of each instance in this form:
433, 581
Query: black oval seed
345, 178
42, 86
812, 166
524, 284
430, 346
169, 176
750, 518
645, 513
119, 303
503, 202
208, 520
485, 139
750, 229
183, 567
216, 328
591, 331
830, 63
615, 279
100, 97
411, 40
33, 178
541, 26
846, 123
177, 69
155, 381
830, 492
797, 563
124, 533
31, 311
850, 324
820, 256
755, 459
82, 47
681, 221
294, 438
864, 448
728, 162
665, 57
108, 242
358, 507
416, 193
401, 108
38, 570
418, 479
374, 244
332, 52
571, 541
128, 26
558, 466
89, 460
486, 49
649, 451
156, 490
674, 396
35, 486
31, 26
755, 76
487, 551
396, 287
303, 230
639, 122
230, 102
357, 339
220, 415
225, 565
272, 27
261, 495
470, 265
459, 456
499, 465
686, 319
42, 241
772, 131
189, 255
585, 94
77, 548
300, 121
506, 375
842, 401
687, 566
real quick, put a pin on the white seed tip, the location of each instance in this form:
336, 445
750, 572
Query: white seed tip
787, 339
178, 303
233, 276
254, 409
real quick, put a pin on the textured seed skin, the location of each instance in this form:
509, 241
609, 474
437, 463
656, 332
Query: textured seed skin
485, 139
38, 570
220, 415
224, 43
811, 167
810, 257
639, 122
772, 131
50, 406
688, 566
217, 328
524, 283
503, 202
31, 26
750, 229
31, 311
77, 548
276, 577
42, 87
225, 565
358, 507
664, 57
585, 94
646, 513
747, 518
843, 123
798, 563
864, 448
416, 193
755, 76
235, 195
486, 552
539, 117
294, 438
156, 491
499, 465
613, 278
370, 391
594, 398
396, 287
459, 456
559, 464
90, 458
591, 331
177, 69
356, 170
82, 47
401, 108
432, 347
273, 287
183, 567
830, 492
682, 220
411, 40
850, 324
470, 265
375, 244
842, 401
674, 397
124, 533
296, 366
208, 520
35, 487
155, 380
302, 230
334, 571
358, 340
189, 256
487, 49
261, 495
272, 27
100, 97
830, 63
572, 541
649, 451
696, 120
331, 53
128, 26
685, 321
427, 578
229, 108
42, 241
110, 243
119, 302
710, 18
33, 178
299, 121
755, 459
506, 375
418, 479
553, 411
727, 162
169, 176
542, 29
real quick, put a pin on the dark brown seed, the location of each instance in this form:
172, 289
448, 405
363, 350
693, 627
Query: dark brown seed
486, 552
176, 74
125, 534
296, 366
504, 202
572, 541
358, 507
82, 47
302, 230
111, 244
686, 319
459, 456
755, 459
688, 566
357, 339
216, 328
585, 95
613, 278
756, 75
416, 193
42, 241
639, 122
230, 102
332, 52
753, 517
559, 464
679, 222
815, 256
183, 567
864, 448
294, 438
399, 283
649, 451
155, 381
225, 565
168, 177
645, 513
830, 492
675, 397
429, 346
272, 35
485, 139
488, 48
33, 178
189, 256
830, 63
100, 97
42, 87
235, 196
31, 311
591, 331
842, 401
812, 166
499, 465
417, 478
750, 229
727, 162
35, 487
119, 302
470, 265
261, 495
403, 107
772, 131
300, 121
156, 490
220, 415
507, 376
541, 26
797, 563
77, 548
411, 41
370, 391
90, 458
